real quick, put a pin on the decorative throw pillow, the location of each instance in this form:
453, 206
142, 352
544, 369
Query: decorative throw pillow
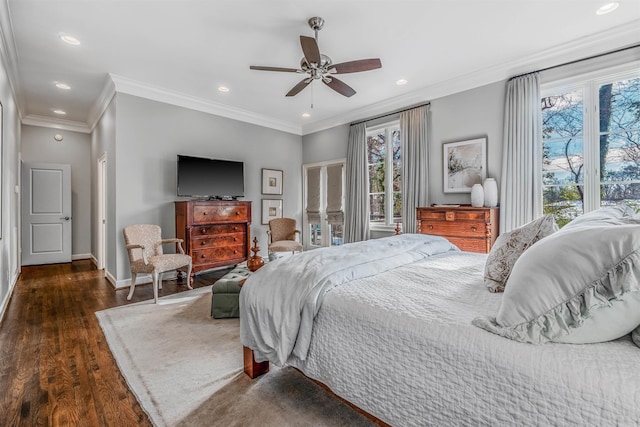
508, 248
579, 285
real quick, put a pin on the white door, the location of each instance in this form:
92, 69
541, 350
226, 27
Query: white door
46, 213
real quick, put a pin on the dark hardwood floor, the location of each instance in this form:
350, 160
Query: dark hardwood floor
55, 365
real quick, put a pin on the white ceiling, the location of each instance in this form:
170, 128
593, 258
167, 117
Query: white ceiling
180, 51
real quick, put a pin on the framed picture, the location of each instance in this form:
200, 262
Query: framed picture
465, 164
271, 209
271, 181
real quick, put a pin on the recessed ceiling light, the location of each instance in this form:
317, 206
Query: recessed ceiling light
609, 7
305, 115
58, 137
63, 86
401, 82
69, 39
223, 89
61, 112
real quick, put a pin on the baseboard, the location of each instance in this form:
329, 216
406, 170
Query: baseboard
7, 298
77, 257
94, 260
142, 279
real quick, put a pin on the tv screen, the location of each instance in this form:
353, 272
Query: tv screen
202, 177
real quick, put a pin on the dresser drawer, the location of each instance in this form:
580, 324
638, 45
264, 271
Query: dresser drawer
470, 245
210, 230
217, 240
451, 215
451, 228
206, 214
203, 256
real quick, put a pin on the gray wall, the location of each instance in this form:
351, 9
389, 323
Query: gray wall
10, 199
38, 145
470, 114
149, 135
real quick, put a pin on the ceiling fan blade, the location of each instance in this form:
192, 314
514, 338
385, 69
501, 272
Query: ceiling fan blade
286, 70
310, 49
297, 88
356, 66
339, 86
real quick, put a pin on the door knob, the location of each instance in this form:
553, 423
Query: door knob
66, 218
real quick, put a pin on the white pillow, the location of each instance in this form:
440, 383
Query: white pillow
603, 215
635, 336
508, 248
579, 285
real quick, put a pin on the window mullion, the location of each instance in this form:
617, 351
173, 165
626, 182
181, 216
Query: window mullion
388, 184
591, 146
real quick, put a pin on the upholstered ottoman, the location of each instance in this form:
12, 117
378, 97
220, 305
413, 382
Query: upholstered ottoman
226, 293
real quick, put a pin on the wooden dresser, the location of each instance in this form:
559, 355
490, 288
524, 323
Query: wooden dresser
471, 229
216, 233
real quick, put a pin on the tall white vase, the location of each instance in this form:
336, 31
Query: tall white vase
477, 195
490, 193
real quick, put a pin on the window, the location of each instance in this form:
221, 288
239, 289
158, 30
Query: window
591, 145
385, 197
323, 192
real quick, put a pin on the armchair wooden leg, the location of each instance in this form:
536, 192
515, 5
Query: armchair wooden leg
189, 276
133, 285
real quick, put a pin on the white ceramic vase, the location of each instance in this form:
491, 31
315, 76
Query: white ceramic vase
490, 193
477, 195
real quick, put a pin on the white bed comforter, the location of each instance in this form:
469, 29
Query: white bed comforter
401, 346
279, 302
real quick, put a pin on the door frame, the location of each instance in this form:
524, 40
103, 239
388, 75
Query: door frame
101, 225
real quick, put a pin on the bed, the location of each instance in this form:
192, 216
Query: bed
387, 325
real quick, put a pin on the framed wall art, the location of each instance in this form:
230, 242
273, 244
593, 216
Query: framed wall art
465, 164
271, 209
272, 181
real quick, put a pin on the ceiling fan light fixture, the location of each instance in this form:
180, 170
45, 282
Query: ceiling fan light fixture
63, 86
401, 82
60, 112
306, 115
223, 89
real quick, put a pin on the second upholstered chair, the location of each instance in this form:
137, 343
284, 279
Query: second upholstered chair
282, 235
144, 245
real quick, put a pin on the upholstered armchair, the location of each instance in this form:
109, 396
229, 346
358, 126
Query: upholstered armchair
144, 245
282, 235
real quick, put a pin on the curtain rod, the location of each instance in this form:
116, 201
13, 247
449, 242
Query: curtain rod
389, 114
578, 60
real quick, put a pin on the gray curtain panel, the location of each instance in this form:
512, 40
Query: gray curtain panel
335, 215
356, 225
521, 189
414, 148
313, 195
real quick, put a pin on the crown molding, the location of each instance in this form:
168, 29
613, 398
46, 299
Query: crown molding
9, 55
144, 90
102, 103
49, 122
620, 37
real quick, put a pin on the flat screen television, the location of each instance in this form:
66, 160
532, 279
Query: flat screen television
210, 178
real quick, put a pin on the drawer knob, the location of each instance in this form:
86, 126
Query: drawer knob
431, 227
235, 239
474, 229
237, 213
235, 228
203, 243
204, 213
202, 256
235, 251
203, 230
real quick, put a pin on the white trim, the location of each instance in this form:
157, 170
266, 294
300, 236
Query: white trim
142, 279
102, 103
50, 122
111, 279
102, 211
9, 55
77, 257
144, 90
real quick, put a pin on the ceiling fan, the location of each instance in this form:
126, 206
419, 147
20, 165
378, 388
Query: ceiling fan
320, 67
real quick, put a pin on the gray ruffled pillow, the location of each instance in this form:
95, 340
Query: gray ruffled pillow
579, 285
508, 248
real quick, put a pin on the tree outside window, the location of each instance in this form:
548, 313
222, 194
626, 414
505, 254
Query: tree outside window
591, 147
385, 197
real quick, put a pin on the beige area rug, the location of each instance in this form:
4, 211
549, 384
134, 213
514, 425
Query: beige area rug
185, 368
